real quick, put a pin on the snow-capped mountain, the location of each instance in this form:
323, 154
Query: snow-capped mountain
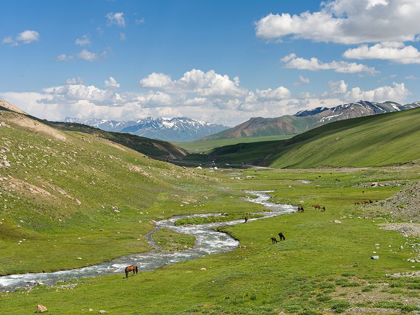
168, 129
308, 119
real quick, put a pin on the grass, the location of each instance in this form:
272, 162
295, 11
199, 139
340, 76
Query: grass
258, 278
199, 147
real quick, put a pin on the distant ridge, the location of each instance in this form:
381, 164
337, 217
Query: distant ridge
169, 129
308, 119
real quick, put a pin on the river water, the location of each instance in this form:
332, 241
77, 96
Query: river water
208, 241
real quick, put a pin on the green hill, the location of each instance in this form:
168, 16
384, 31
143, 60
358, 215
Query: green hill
94, 197
367, 141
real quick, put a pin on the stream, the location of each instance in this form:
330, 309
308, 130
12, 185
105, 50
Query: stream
208, 241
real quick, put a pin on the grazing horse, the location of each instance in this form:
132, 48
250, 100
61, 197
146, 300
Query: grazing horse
246, 219
281, 235
132, 268
316, 207
323, 209
274, 240
300, 209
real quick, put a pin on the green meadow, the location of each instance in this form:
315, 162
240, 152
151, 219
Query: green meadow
322, 268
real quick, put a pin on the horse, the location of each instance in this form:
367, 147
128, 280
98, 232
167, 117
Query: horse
281, 235
323, 209
300, 209
246, 219
274, 240
132, 268
316, 207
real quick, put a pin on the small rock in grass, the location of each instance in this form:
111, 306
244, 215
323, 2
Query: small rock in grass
41, 308
337, 221
102, 312
374, 257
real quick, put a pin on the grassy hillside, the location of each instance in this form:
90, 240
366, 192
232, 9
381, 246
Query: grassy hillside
89, 196
205, 147
368, 141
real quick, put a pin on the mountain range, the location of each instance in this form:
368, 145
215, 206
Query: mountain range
305, 120
168, 129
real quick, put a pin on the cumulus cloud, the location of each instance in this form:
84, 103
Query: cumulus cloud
347, 22
396, 52
111, 84
302, 80
85, 40
26, 37
339, 87
278, 94
293, 62
116, 19
195, 81
397, 93
122, 36
87, 55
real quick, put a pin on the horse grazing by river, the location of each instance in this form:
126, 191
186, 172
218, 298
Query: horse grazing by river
300, 209
316, 207
132, 268
274, 240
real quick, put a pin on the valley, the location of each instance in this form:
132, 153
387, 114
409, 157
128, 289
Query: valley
73, 198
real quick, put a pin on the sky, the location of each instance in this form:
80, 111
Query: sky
215, 61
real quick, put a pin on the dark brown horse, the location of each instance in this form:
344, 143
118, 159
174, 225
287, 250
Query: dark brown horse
274, 240
323, 209
300, 209
316, 207
132, 268
281, 236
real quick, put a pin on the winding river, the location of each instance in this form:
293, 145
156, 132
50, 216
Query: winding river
208, 241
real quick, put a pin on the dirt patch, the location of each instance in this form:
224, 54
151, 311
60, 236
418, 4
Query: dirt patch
11, 107
37, 127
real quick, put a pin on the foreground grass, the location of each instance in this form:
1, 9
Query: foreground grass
323, 267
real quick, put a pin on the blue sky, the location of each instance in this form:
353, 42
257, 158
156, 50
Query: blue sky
216, 61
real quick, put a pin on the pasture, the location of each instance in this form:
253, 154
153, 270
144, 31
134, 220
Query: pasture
323, 267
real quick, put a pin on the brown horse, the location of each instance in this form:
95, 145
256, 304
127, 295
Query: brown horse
323, 209
300, 209
316, 207
274, 240
281, 236
132, 268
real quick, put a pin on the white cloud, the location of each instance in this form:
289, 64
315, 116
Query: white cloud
140, 21
411, 77
116, 19
339, 87
293, 62
64, 57
8, 40
75, 81
87, 55
397, 93
347, 22
278, 94
302, 80
111, 84
85, 40
386, 51
28, 37
195, 81
122, 36
25, 37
